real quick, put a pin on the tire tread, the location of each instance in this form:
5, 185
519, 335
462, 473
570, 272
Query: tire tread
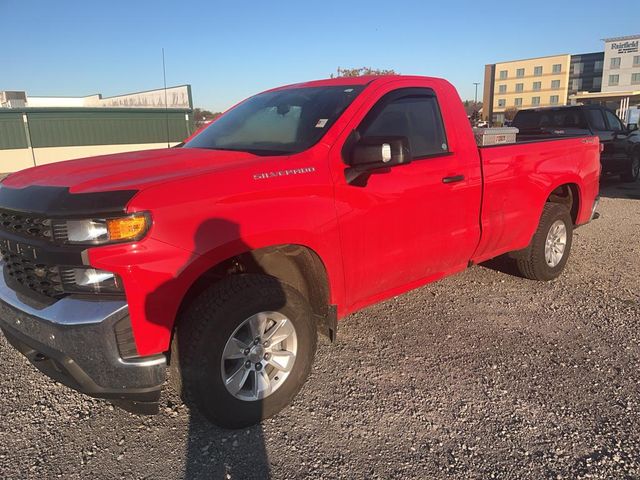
532, 265
193, 326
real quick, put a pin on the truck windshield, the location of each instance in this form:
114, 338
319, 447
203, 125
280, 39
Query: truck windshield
278, 123
527, 120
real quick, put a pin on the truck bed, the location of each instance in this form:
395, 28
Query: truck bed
517, 178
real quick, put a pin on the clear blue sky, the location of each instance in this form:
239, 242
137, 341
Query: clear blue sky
228, 50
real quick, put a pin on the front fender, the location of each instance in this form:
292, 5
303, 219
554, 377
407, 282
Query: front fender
157, 276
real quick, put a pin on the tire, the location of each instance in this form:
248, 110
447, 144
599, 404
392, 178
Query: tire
533, 262
633, 172
205, 330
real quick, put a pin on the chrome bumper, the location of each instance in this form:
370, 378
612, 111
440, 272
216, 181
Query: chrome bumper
74, 342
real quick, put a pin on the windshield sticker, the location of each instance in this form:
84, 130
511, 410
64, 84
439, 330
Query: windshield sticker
283, 173
322, 122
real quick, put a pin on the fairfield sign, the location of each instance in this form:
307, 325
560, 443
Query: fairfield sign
630, 46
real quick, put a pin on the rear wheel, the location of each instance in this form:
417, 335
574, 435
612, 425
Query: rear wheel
243, 349
633, 172
548, 253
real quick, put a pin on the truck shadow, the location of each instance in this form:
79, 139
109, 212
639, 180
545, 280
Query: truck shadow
503, 264
212, 452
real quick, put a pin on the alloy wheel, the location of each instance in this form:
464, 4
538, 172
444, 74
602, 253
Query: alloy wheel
556, 243
259, 356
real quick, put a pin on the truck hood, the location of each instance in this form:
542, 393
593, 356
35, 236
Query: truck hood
129, 171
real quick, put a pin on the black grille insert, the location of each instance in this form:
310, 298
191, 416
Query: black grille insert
25, 224
44, 279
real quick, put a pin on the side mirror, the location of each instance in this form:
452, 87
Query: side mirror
380, 152
633, 127
372, 153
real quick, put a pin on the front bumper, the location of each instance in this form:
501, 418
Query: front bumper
73, 341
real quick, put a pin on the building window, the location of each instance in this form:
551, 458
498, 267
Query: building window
576, 84
502, 89
578, 68
518, 102
555, 84
614, 80
537, 71
635, 79
503, 74
615, 63
537, 85
520, 72
597, 65
636, 60
554, 99
557, 68
519, 87
597, 83
535, 100
502, 102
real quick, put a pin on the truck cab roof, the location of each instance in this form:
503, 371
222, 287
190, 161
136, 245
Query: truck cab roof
362, 80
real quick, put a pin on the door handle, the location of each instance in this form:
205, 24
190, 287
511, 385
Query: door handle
454, 179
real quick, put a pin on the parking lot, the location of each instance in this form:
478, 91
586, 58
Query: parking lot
482, 375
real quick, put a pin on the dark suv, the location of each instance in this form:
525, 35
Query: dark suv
621, 154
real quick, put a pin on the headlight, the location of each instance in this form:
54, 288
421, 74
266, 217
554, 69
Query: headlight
100, 231
90, 280
84, 231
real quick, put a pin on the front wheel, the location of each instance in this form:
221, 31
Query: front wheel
633, 172
548, 253
243, 349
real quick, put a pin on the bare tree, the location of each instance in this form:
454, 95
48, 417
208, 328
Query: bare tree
470, 106
201, 116
358, 72
510, 113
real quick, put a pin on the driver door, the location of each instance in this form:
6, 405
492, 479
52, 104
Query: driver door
410, 222
619, 136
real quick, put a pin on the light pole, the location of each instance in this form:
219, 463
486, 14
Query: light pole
476, 97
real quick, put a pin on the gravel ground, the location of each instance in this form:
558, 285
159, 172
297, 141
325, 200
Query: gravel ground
482, 375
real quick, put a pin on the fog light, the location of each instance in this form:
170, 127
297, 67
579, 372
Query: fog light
90, 280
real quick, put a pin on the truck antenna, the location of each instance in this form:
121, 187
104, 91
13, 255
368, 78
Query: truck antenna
166, 103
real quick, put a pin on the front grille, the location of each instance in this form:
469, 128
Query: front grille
25, 224
44, 279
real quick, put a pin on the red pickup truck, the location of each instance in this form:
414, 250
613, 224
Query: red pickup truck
224, 258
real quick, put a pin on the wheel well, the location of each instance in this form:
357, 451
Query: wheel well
567, 194
295, 265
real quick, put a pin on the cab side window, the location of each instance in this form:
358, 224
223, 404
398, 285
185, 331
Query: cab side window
416, 117
596, 120
614, 122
